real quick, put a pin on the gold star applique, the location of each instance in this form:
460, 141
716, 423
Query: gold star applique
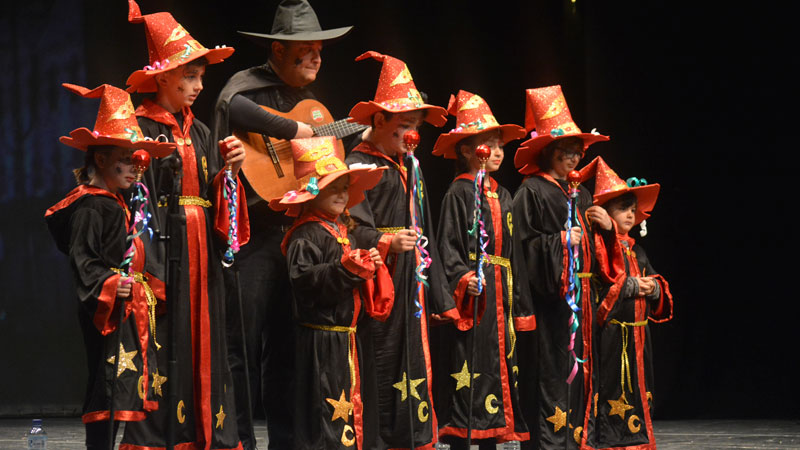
158, 381
341, 408
177, 33
462, 378
220, 418
125, 360
472, 103
559, 419
489, 121
555, 108
619, 407
124, 111
403, 77
401, 386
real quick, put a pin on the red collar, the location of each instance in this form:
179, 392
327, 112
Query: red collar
492, 187
550, 178
156, 112
80, 191
625, 238
370, 149
313, 216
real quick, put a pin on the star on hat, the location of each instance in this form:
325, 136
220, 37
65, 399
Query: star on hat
319, 162
116, 123
396, 93
547, 113
169, 45
473, 116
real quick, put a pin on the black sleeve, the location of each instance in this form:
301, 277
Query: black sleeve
245, 114
315, 281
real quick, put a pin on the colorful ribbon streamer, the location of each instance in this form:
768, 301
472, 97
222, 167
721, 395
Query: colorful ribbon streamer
230, 194
140, 202
417, 224
478, 228
574, 290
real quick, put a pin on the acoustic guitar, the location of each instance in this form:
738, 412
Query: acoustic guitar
269, 167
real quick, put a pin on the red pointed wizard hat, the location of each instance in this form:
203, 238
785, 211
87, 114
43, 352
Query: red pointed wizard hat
396, 93
547, 113
473, 116
169, 45
116, 123
608, 186
319, 162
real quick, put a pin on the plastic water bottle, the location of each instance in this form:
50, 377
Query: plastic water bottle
37, 437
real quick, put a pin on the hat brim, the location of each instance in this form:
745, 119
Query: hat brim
446, 143
363, 111
361, 180
646, 197
143, 81
321, 35
525, 160
82, 138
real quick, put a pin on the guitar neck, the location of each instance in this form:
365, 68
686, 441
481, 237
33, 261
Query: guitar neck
338, 129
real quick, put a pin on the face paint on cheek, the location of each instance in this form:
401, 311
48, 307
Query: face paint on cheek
298, 61
118, 169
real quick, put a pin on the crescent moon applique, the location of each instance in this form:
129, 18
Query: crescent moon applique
348, 441
634, 427
422, 412
181, 417
490, 407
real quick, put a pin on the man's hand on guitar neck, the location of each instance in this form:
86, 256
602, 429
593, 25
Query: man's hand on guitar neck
303, 131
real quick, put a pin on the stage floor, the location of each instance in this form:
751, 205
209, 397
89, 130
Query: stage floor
67, 434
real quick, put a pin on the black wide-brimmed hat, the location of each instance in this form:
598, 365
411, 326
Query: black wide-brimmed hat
295, 20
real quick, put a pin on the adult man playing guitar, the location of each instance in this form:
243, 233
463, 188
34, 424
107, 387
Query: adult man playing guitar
295, 44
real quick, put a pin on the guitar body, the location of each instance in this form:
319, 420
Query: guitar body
269, 166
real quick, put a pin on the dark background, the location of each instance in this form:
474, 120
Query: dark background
692, 95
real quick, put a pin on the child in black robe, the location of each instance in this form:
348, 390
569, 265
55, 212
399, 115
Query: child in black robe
405, 378
623, 366
90, 225
555, 365
496, 415
206, 407
335, 286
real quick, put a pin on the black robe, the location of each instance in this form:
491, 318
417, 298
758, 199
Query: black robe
334, 404
206, 409
623, 407
496, 407
380, 215
264, 281
90, 226
540, 215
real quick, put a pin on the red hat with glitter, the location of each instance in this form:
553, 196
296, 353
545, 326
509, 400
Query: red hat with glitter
396, 94
169, 46
116, 123
473, 116
317, 163
547, 113
608, 186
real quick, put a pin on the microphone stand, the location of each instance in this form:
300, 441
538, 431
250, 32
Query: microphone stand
174, 252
